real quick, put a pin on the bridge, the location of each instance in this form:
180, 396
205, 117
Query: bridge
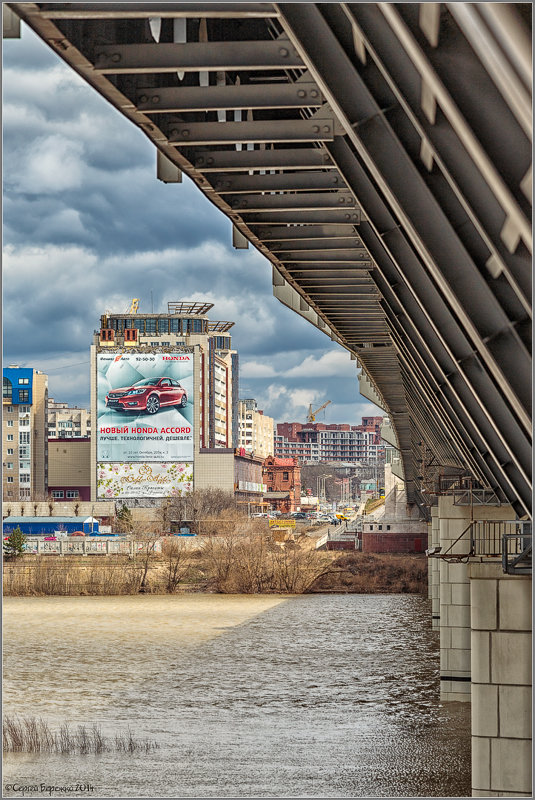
379, 156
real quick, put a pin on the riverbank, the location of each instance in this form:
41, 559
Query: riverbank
224, 566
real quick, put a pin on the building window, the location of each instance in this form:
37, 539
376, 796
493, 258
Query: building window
388, 527
165, 344
150, 326
9, 479
72, 494
10, 437
380, 527
139, 324
285, 476
24, 477
7, 389
57, 494
25, 494
24, 395
24, 437
9, 423
163, 325
24, 409
9, 465
8, 409
174, 325
24, 381
10, 451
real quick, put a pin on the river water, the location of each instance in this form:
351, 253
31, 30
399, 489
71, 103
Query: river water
247, 696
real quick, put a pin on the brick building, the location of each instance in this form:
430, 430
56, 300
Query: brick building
282, 477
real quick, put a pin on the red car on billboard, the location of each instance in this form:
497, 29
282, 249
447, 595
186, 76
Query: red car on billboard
148, 395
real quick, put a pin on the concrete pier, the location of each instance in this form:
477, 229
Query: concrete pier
455, 627
501, 682
434, 569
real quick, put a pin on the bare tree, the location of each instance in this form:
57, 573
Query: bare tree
178, 561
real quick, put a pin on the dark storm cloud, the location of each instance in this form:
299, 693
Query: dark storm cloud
87, 226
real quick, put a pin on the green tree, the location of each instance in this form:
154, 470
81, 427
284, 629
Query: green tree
14, 545
124, 521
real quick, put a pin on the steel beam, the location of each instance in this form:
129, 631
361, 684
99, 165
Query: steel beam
424, 221
304, 181
136, 59
326, 246
300, 201
333, 216
167, 99
242, 161
306, 233
160, 10
256, 132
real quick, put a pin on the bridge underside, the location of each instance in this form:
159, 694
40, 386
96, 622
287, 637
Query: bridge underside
379, 155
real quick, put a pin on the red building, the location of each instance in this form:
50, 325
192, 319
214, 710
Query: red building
282, 477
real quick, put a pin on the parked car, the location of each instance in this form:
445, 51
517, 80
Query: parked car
77, 533
298, 515
148, 395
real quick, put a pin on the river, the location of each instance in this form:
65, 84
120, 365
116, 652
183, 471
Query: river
247, 696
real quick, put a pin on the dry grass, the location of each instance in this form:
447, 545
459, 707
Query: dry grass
371, 573
51, 575
32, 735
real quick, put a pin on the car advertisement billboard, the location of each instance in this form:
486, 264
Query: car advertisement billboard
143, 480
144, 407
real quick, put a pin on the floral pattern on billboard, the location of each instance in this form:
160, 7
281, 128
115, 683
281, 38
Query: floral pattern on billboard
143, 480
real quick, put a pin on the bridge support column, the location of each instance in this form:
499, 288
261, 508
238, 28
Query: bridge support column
433, 566
501, 682
454, 603
455, 638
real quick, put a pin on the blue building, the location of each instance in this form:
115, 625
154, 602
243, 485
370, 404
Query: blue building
46, 526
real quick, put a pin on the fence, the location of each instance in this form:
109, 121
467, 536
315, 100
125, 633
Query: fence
84, 547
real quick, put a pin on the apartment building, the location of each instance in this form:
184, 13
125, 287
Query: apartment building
164, 400
255, 431
317, 442
24, 433
67, 422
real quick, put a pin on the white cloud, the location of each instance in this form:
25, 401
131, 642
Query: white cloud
52, 167
335, 362
252, 369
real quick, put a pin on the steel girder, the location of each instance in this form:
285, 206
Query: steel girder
379, 155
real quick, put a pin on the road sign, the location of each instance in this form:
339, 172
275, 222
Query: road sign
282, 523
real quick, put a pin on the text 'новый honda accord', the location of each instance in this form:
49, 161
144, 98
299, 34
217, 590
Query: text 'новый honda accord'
148, 395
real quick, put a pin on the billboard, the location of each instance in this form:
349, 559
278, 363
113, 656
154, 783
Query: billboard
144, 407
143, 480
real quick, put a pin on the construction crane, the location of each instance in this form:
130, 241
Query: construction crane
311, 416
133, 306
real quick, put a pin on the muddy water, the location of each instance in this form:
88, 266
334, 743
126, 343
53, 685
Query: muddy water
248, 696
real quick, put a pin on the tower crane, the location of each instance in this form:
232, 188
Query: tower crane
133, 307
311, 416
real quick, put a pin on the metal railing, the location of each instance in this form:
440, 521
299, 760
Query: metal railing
507, 540
517, 553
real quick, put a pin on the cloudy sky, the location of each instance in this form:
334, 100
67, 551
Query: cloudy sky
87, 227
